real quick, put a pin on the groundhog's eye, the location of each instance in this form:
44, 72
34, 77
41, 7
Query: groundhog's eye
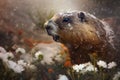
66, 19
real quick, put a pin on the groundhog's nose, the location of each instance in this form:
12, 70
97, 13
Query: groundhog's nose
48, 27
49, 24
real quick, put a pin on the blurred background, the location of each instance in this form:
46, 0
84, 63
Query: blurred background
21, 21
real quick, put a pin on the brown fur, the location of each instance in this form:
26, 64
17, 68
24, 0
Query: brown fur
83, 38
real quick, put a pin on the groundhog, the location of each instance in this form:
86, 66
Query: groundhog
84, 35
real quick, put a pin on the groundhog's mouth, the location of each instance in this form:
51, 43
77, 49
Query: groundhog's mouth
53, 34
56, 37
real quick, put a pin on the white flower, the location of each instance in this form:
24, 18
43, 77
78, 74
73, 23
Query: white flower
88, 67
101, 63
20, 50
6, 56
81, 66
2, 50
63, 77
76, 67
91, 68
111, 65
9, 55
22, 62
15, 67
117, 76
39, 55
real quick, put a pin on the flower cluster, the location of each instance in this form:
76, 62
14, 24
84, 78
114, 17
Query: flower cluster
111, 65
11, 64
103, 64
15, 67
7, 58
76, 72
82, 68
49, 56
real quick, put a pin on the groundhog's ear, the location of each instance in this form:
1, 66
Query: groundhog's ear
81, 15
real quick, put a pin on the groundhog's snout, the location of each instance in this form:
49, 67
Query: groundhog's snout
48, 27
51, 29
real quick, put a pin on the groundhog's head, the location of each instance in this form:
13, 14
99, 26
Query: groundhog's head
75, 28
